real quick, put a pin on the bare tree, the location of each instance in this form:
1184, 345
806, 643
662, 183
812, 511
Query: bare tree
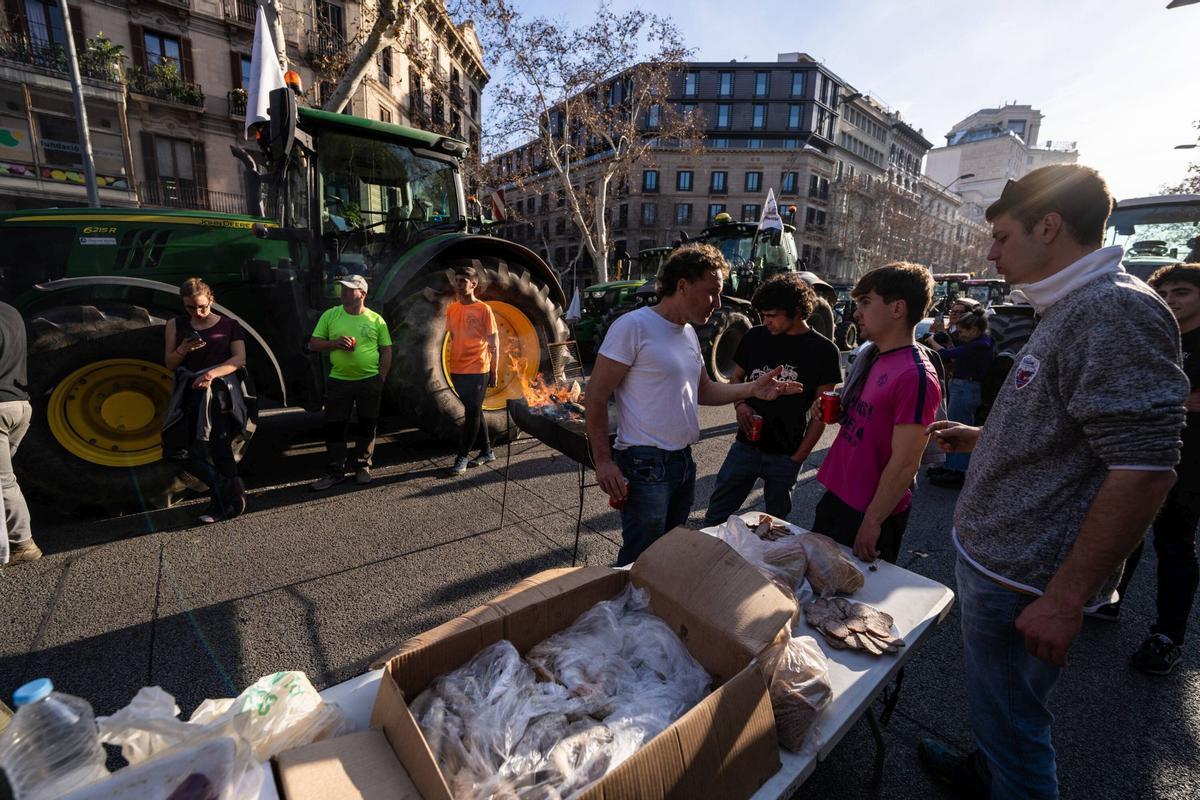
585, 105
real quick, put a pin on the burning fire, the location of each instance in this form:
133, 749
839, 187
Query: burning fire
539, 392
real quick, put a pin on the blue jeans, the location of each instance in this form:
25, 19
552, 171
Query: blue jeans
965, 399
744, 465
1007, 689
662, 486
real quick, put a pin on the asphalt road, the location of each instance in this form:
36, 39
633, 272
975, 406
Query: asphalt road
326, 583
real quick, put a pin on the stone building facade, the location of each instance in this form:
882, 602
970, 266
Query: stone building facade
995, 145
164, 114
790, 125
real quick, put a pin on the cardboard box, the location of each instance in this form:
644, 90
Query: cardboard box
724, 611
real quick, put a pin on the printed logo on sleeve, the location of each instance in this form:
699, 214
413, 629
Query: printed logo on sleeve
1026, 371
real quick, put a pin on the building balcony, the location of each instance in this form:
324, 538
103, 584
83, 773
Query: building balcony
237, 103
165, 85
173, 193
243, 11
51, 57
185, 4
456, 96
327, 48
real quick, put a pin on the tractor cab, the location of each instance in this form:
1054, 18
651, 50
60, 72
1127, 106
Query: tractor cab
1155, 232
753, 255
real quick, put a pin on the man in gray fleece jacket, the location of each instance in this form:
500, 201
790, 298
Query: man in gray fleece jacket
1076, 458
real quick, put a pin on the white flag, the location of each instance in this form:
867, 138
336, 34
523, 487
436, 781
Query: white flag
575, 310
499, 212
770, 216
265, 74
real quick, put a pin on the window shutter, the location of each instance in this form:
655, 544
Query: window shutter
235, 68
138, 38
15, 11
200, 165
77, 32
185, 55
150, 162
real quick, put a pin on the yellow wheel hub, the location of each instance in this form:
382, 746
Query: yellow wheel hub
519, 339
110, 412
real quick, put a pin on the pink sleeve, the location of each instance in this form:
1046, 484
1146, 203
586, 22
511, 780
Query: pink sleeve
916, 398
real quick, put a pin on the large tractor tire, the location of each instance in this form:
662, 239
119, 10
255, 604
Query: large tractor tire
846, 335
99, 391
419, 383
822, 319
719, 340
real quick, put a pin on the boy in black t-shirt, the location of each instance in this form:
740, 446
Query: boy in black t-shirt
788, 436
1174, 531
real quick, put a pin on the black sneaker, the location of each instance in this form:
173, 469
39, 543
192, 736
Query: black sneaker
1158, 655
950, 479
964, 774
935, 470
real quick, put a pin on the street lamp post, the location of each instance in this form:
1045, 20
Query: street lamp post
962, 177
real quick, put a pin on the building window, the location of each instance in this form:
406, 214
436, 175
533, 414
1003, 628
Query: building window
474, 104
789, 182
794, 116
649, 180
623, 216
161, 48
385, 66
798, 84
719, 143
751, 212
691, 84
687, 108
683, 213
719, 182
754, 144
714, 209
243, 72
654, 116
760, 116
332, 18
45, 23
791, 144
683, 180
560, 226
175, 170
726, 87
384, 115
762, 84
649, 213
753, 181
724, 114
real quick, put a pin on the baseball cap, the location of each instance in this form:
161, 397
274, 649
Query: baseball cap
354, 282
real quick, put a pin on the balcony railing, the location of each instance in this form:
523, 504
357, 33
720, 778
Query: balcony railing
237, 103
456, 95
244, 11
173, 193
53, 57
165, 86
326, 46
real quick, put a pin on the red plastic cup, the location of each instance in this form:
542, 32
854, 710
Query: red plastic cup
617, 503
756, 426
353, 343
831, 407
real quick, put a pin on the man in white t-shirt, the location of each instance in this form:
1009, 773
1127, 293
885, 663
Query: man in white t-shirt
650, 360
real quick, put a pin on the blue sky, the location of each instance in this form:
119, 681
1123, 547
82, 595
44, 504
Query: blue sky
1112, 75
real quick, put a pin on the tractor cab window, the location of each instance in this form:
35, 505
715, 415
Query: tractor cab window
380, 198
774, 257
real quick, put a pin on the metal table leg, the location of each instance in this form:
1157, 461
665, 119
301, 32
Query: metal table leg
507, 464
578, 516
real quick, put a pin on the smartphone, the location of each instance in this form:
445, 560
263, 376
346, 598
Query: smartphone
193, 336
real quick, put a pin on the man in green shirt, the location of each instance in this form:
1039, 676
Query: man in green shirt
360, 355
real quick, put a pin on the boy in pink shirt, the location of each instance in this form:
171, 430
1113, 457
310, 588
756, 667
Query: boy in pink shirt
869, 471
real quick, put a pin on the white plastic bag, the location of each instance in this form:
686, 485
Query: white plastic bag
277, 713
798, 683
214, 768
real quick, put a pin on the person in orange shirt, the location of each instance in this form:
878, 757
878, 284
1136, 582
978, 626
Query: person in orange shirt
474, 355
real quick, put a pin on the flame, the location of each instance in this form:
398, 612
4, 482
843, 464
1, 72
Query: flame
540, 392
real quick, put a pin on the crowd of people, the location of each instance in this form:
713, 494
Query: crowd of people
1090, 442
1084, 447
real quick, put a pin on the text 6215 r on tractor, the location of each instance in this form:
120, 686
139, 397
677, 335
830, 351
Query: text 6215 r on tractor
96, 287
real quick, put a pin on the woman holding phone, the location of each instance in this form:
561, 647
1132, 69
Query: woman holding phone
204, 348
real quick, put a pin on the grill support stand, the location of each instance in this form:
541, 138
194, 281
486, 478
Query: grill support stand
583, 485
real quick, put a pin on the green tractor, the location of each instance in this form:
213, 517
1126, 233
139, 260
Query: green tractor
96, 287
603, 302
753, 256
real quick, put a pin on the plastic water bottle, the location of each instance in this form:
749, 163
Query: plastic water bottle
52, 745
